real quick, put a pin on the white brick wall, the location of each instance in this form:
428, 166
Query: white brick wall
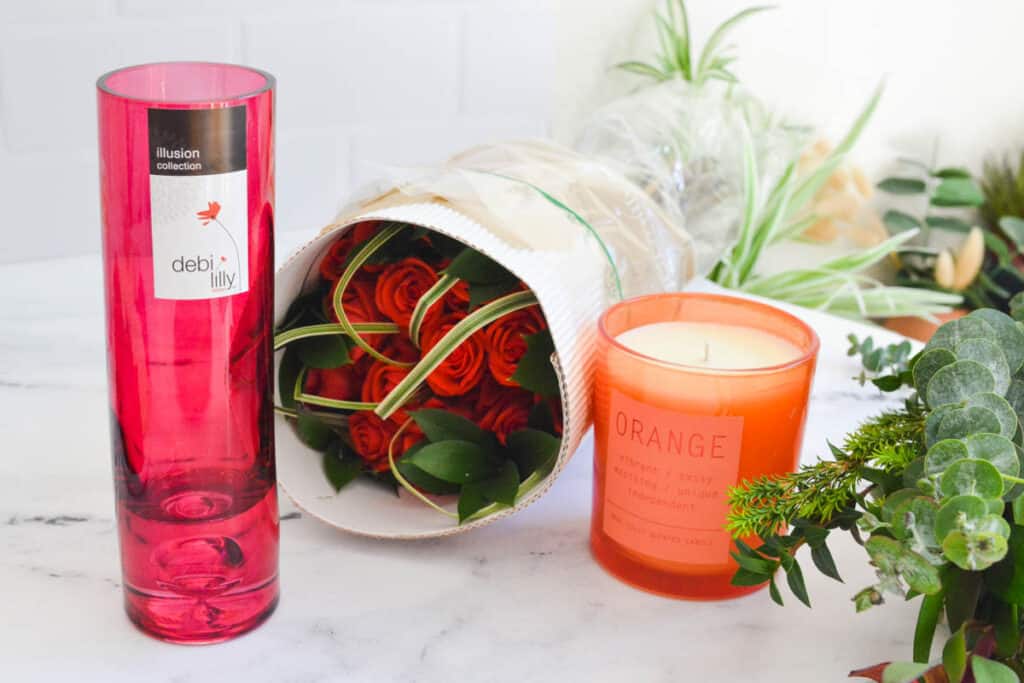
361, 84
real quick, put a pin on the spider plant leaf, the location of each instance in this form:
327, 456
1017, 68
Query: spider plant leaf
708, 54
683, 42
643, 69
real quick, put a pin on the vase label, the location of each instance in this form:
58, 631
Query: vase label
666, 481
198, 198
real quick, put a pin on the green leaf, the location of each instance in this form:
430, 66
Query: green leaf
957, 192
1018, 510
287, 375
903, 672
947, 223
340, 467
1013, 228
424, 481
951, 333
1009, 337
442, 425
313, 432
473, 267
928, 363
962, 422
745, 577
897, 221
954, 656
933, 422
504, 487
943, 454
897, 500
480, 294
957, 513
989, 671
987, 353
454, 461
795, 580
1006, 579
822, 558
535, 371
1006, 619
995, 449
957, 382
974, 551
952, 172
867, 598
642, 69
533, 450
324, 352
924, 631
1004, 413
902, 186
753, 562
773, 591
471, 501
972, 478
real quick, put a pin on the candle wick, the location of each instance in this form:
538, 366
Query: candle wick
707, 351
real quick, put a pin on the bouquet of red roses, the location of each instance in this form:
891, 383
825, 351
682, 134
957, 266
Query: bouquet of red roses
423, 364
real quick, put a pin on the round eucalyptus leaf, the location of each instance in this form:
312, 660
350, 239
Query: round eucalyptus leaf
974, 551
1001, 408
915, 522
932, 422
950, 334
962, 422
992, 524
1008, 335
957, 513
996, 505
943, 454
927, 364
957, 382
997, 450
1015, 396
920, 574
987, 353
895, 501
972, 478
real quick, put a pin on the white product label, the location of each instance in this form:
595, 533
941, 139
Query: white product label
198, 187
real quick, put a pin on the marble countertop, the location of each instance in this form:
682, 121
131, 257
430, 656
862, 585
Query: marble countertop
520, 600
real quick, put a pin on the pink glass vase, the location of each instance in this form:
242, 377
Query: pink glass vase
187, 187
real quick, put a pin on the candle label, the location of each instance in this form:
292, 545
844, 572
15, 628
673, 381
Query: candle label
198, 199
666, 481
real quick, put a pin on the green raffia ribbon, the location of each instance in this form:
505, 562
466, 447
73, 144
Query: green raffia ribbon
312, 399
462, 331
359, 257
429, 298
579, 219
329, 329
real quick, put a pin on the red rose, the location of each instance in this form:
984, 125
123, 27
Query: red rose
341, 384
506, 341
371, 437
463, 368
381, 378
357, 301
398, 347
507, 411
333, 264
400, 287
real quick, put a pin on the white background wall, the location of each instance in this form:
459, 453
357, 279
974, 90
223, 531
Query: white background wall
370, 82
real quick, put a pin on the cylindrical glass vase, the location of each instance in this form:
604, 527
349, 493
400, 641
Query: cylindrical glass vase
187, 189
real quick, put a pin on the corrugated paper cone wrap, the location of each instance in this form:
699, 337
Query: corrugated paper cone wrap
575, 231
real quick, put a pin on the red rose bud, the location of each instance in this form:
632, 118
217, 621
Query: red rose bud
371, 437
333, 264
508, 412
400, 287
506, 341
463, 368
380, 380
341, 384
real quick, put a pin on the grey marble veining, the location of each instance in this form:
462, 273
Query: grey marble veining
520, 600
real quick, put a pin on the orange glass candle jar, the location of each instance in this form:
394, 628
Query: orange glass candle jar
693, 394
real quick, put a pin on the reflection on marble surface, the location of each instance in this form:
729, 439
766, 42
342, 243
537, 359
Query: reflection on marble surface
520, 600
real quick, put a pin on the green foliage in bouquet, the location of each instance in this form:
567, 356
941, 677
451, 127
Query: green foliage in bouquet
478, 439
932, 491
985, 280
678, 56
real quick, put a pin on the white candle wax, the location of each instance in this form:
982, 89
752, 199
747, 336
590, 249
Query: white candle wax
710, 345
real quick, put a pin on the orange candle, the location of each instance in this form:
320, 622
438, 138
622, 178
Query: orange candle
693, 394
